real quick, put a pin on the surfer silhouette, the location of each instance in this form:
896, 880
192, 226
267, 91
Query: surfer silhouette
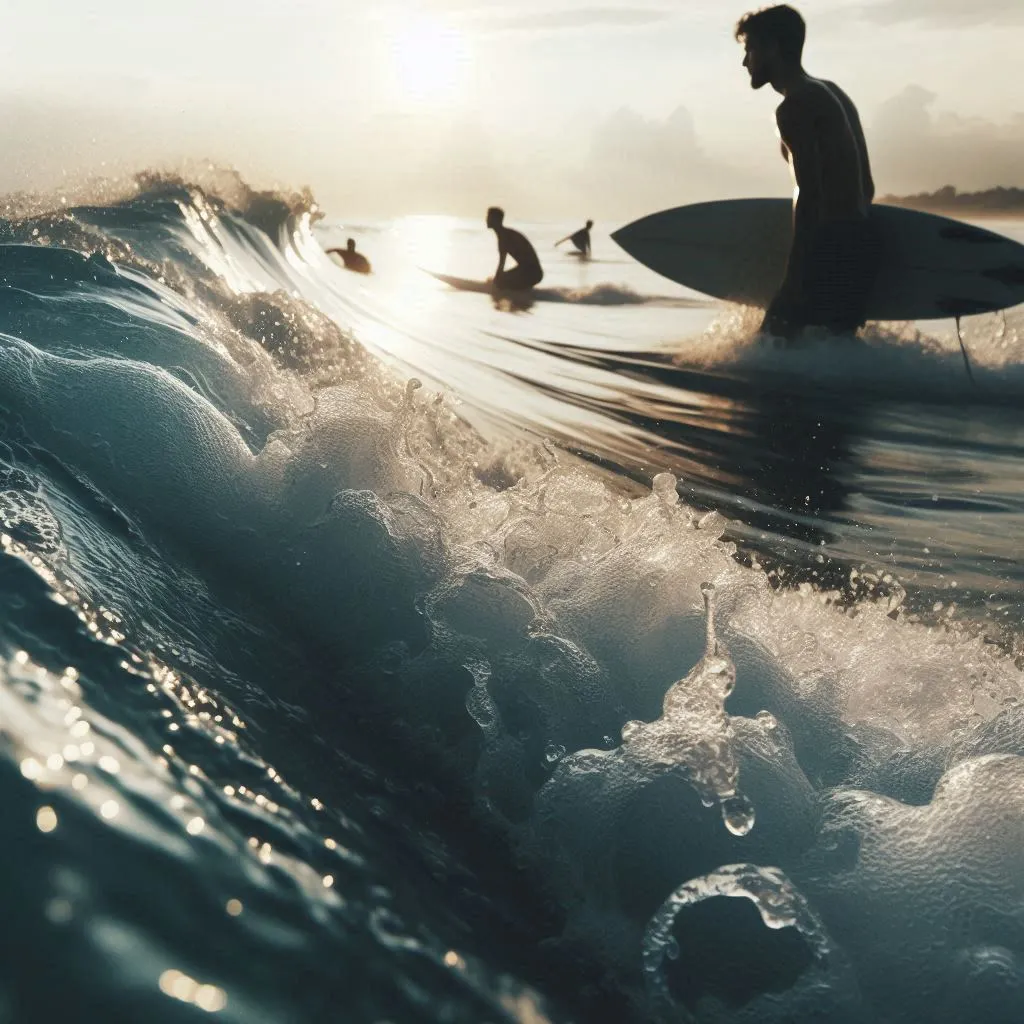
833, 255
581, 239
527, 272
353, 260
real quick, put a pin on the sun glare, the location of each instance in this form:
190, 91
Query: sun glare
430, 60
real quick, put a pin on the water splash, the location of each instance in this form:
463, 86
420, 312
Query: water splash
694, 735
553, 753
777, 900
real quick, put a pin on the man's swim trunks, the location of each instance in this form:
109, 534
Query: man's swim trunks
519, 279
838, 275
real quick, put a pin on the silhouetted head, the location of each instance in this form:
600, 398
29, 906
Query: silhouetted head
773, 39
351, 245
590, 224
495, 217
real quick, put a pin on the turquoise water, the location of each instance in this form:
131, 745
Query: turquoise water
373, 653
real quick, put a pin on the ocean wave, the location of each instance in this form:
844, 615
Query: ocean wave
570, 670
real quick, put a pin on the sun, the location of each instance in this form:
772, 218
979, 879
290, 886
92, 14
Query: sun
430, 61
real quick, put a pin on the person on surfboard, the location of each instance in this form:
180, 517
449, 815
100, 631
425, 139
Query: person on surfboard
832, 258
353, 260
581, 239
527, 272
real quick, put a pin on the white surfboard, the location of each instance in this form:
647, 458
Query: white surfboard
598, 295
464, 284
930, 267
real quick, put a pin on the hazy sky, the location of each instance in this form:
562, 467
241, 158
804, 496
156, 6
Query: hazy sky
551, 107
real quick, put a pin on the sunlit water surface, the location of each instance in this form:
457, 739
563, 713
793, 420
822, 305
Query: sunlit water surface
371, 651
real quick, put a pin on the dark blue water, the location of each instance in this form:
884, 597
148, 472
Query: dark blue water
369, 653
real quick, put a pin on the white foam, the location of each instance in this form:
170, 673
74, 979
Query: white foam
556, 610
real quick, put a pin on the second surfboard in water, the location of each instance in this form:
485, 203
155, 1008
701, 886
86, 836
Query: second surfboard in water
930, 267
464, 284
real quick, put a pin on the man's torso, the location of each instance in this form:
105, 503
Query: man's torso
581, 239
841, 148
518, 246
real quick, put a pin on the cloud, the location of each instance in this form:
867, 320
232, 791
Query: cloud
572, 19
947, 13
915, 148
613, 168
638, 164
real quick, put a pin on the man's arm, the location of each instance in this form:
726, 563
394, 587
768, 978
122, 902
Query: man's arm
502, 255
798, 129
868, 183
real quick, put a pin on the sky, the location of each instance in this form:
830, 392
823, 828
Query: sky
551, 108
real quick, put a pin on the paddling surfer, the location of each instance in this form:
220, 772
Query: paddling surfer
527, 272
832, 258
580, 239
353, 260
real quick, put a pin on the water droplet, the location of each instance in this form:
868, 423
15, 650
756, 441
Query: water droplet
46, 819
664, 487
738, 815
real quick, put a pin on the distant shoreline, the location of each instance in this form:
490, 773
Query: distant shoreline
993, 202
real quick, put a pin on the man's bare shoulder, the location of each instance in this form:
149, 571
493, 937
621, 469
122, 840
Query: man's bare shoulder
814, 99
797, 101
794, 110
836, 91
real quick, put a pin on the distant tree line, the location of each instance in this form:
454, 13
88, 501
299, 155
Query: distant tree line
992, 201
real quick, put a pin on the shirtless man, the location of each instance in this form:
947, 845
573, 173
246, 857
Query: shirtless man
527, 272
580, 239
832, 258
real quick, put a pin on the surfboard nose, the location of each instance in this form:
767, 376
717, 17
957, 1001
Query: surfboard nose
635, 236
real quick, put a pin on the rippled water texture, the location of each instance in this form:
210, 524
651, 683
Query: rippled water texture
370, 652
